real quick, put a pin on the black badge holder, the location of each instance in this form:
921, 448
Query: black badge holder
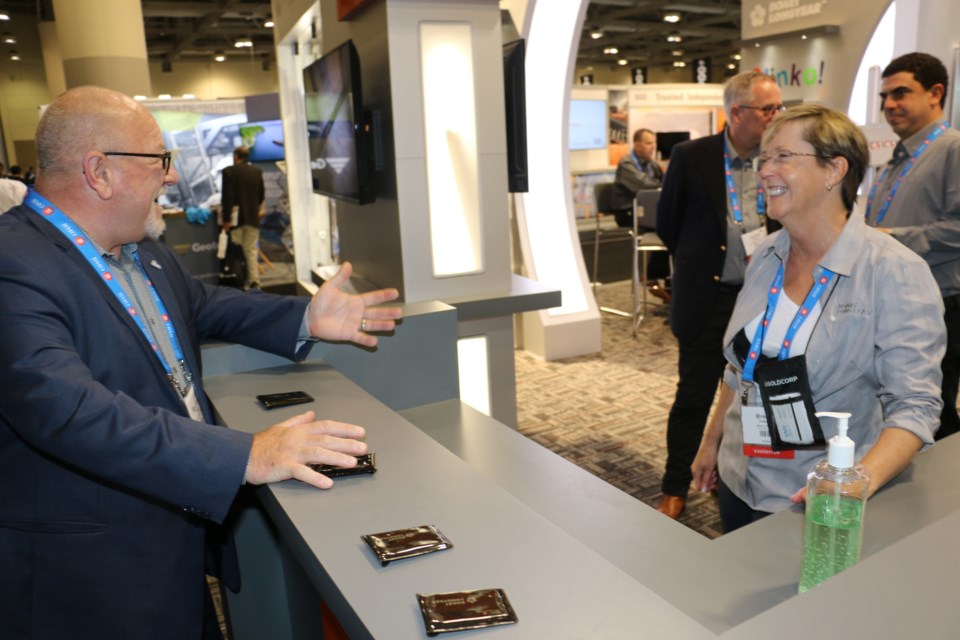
788, 404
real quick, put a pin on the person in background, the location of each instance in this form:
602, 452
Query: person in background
917, 196
16, 173
12, 193
243, 190
115, 479
711, 217
833, 316
638, 169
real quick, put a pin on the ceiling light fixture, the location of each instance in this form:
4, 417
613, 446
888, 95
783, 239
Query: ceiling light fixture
596, 35
731, 66
8, 38
622, 62
736, 56
677, 52
679, 63
268, 24
14, 55
611, 51
243, 42
671, 17
674, 37
4, 15
219, 56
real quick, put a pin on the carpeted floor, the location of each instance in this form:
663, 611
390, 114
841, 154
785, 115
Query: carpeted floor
607, 412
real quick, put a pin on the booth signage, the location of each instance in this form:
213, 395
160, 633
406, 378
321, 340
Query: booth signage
769, 17
677, 95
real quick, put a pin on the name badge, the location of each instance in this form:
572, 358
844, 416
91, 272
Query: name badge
752, 239
756, 435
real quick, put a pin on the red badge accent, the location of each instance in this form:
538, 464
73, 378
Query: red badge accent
823, 279
107, 276
48, 211
132, 311
166, 318
753, 355
80, 241
766, 322
762, 451
804, 311
774, 290
786, 343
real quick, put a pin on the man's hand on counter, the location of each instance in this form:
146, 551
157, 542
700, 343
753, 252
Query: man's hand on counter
284, 450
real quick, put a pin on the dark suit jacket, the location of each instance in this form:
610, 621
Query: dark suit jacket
243, 186
629, 179
106, 487
692, 222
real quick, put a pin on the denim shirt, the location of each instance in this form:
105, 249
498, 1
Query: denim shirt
875, 352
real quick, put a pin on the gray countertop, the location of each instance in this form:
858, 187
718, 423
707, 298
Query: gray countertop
577, 557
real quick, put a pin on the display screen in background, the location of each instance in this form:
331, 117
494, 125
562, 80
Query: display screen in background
588, 124
264, 139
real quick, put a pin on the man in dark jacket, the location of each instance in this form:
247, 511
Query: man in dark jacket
244, 195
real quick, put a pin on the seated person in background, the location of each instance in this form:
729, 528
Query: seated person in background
637, 170
843, 316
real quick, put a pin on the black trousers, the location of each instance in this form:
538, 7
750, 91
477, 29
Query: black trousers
734, 512
700, 368
949, 420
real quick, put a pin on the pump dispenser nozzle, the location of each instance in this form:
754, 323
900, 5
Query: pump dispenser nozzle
840, 454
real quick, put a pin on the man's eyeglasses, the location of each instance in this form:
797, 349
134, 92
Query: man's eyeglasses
780, 157
768, 109
166, 157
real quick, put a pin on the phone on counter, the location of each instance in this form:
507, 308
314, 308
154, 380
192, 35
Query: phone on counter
274, 400
365, 464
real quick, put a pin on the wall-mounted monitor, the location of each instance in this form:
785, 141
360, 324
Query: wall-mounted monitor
338, 137
264, 139
588, 124
514, 91
667, 139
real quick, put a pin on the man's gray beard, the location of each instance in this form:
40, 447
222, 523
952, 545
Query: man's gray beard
155, 227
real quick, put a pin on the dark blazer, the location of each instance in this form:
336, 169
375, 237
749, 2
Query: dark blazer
692, 222
243, 186
107, 489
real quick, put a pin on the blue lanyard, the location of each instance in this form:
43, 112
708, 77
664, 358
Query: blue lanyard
820, 284
636, 161
906, 168
732, 189
79, 239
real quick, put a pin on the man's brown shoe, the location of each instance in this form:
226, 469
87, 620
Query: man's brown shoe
672, 506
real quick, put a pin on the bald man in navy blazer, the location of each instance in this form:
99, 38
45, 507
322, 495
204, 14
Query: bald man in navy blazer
710, 247
112, 474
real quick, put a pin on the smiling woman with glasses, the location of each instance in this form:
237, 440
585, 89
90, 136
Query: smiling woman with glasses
166, 156
832, 316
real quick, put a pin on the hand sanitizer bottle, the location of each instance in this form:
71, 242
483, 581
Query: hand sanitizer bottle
836, 497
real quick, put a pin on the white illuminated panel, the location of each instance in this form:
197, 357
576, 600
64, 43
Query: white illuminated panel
548, 205
450, 124
474, 372
865, 108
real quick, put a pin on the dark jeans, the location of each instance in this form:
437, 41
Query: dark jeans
949, 420
734, 512
700, 368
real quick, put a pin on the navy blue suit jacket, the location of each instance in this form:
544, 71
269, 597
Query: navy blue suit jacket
692, 222
107, 488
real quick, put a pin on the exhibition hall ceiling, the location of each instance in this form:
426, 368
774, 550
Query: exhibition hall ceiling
658, 33
200, 29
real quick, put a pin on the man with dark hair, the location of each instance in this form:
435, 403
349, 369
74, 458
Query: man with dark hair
711, 217
917, 196
243, 194
638, 169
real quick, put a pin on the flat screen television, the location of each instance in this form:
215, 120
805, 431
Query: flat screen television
338, 137
588, 124
264, 139
667, 139
514, 91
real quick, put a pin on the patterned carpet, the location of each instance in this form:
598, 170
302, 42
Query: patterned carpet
607, 412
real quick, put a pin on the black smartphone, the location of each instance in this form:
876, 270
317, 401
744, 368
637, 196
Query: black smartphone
274, 400
365, 464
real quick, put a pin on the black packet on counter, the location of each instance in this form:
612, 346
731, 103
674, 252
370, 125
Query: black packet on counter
406, 543
462, 610
366, 463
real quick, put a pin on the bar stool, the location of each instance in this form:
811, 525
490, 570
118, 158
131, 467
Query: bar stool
603, 196
647, 242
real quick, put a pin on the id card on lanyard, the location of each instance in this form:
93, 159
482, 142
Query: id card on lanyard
751, 239
79, 239
785, 418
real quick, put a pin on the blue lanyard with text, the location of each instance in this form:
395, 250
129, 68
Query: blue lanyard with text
820, 284
906, 168
732, 189
79, 239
